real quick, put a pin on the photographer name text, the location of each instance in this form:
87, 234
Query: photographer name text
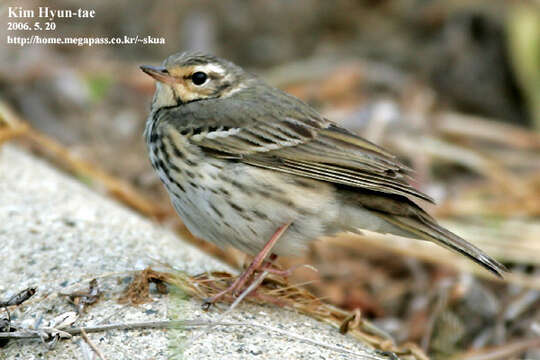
44, 12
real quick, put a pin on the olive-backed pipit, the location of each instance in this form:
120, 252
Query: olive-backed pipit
250, 166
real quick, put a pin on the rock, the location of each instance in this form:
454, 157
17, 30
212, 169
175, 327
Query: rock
57, 235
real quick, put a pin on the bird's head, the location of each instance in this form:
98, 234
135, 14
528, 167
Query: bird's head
191, 76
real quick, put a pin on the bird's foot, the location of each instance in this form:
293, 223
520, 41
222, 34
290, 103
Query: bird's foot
256, 264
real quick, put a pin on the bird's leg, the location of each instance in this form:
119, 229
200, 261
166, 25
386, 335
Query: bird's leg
254, 266
272, 269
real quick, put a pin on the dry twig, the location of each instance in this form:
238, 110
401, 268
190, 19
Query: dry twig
92, 345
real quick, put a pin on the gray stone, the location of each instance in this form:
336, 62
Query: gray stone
56, 235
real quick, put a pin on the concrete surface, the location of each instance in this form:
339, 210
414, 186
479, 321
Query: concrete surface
56, 235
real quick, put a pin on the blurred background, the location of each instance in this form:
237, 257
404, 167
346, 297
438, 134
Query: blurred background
452, 87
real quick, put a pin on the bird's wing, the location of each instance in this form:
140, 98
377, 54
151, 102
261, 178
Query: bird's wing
282, 133
338, 156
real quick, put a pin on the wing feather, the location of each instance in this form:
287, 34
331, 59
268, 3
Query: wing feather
277, 131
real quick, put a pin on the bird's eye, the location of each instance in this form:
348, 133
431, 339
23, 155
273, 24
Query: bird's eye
199, 78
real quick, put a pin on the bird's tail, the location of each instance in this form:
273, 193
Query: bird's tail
426, 228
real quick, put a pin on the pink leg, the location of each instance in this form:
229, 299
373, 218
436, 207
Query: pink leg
268, 266
255, 265
272, 270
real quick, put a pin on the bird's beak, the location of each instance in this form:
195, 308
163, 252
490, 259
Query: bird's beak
159, 73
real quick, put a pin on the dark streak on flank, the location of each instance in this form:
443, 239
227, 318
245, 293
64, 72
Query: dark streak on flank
245, 217
175, 168
304, 212
284, 201
274, 188
259, 214
217, 166
235, 207
164, 152
179, 186
252, 231
175, 148
240, 186
219, 213
304, 183
264, 193
161, 166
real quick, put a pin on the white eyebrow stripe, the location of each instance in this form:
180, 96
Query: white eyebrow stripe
208, 68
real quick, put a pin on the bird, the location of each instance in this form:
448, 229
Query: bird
250, 166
